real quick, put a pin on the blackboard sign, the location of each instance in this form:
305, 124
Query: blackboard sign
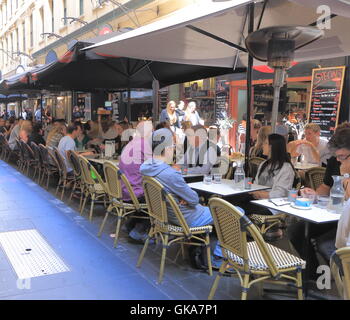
221, 98
325, 98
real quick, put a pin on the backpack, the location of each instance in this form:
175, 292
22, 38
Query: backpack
198, 254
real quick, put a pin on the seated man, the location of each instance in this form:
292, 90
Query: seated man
313, 148
67, 143
202, 153
324, 233
132, 156
159, 168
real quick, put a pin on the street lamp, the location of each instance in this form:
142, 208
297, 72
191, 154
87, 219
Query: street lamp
73, 19
19, 53
125, 9
50, 35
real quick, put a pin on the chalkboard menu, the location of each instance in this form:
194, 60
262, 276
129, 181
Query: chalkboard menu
325, 98
221, 98
163, 98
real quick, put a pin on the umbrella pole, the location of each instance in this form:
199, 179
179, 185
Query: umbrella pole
249, 92
20, 105
41, 108
129, 105
155, 87
278, 82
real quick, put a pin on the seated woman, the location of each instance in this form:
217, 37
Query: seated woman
82, 139
257, 150
276, 172
55, 135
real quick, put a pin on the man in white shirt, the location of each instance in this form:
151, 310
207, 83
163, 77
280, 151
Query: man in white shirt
201, 154
67, 143
313, 148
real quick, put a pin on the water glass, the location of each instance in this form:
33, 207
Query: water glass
207, 179
322, 201
311, 198
217, 178
292, 195
248, 183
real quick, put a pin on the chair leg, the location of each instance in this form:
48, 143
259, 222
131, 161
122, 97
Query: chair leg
245, 287
217, 279
73, 190
299, 285
81, 197
104, 222
207, 242
58, 185
92, 206
144, 249
162, 261
84, 203
63, 189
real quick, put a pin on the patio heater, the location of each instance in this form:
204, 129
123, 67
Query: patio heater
277, 45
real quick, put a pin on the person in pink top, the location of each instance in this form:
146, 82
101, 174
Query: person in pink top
133, 155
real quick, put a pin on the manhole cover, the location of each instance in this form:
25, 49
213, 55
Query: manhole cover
30, 255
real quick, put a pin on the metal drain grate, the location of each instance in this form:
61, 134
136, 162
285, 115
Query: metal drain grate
30, 255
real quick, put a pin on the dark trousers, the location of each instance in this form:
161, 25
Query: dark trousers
322, 233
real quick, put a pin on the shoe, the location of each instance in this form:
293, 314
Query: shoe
216, 262
273, 235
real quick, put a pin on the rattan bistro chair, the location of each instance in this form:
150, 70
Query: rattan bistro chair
92, 185
157, 199
114, 179
253, 261
73, 159
50, 165
5, 148
39, 167
343, 284
64, 177
314, 177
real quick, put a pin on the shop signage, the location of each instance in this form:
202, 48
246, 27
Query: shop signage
325, 98
221, 99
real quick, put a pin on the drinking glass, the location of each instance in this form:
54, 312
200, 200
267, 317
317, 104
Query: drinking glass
311, 198
248, 183
207, 179
322, 201
217, 178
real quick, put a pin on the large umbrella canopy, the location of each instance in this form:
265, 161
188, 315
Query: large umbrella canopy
208, 32
87, 71
12, 98
18, 83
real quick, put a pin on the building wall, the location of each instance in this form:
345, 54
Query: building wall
23, 21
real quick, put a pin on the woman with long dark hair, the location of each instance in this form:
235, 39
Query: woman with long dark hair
277, 171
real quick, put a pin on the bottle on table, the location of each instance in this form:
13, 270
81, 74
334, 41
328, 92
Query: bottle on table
239, 176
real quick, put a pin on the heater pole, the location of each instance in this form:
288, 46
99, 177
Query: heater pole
278, 82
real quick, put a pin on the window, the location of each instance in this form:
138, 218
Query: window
52, 16
65, 11
81, 7
31, 31
23, 37
42, 20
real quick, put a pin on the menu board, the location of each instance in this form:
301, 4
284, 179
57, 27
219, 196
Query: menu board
221, 98
325, 98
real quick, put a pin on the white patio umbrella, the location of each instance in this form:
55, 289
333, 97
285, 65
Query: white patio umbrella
205, 33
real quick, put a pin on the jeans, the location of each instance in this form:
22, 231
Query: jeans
207, 219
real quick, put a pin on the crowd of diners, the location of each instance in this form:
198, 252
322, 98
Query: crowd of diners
180, 139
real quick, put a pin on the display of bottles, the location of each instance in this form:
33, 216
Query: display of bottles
239, 176
337, 195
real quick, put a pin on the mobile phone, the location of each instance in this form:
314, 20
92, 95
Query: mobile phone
279, 202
